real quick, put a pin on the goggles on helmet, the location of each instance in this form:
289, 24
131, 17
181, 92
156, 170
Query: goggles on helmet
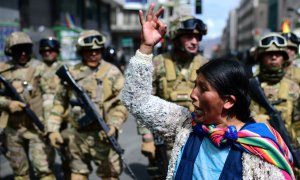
292, 37
277, 40
90, 40
51, 43
18, 50
192, 24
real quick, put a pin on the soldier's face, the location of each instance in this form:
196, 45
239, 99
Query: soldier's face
92, 57
21, 53
190, 42
49, 55
273, 60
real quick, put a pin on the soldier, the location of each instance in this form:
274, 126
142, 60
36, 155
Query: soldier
103, 82
283, 93
292, 69
49, 49
174, 75
21, 135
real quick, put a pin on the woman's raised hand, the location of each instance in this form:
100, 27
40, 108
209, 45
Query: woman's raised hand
152, 29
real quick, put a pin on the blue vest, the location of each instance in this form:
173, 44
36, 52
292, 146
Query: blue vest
232, 170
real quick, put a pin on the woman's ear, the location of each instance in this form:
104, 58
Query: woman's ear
229, 102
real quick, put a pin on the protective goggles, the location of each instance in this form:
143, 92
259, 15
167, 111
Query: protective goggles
292, 37
90, 40
279, 41
192, 24
51, 43
18, 50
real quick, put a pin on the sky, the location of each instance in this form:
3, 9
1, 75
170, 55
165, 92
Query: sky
215, 14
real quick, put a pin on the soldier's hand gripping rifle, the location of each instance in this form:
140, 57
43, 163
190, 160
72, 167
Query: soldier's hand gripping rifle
276, 120
11, 92
91, 111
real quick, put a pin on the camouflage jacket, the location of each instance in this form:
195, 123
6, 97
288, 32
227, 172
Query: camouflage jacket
25, 82
284, 96
174, 81
103, 85
49, 84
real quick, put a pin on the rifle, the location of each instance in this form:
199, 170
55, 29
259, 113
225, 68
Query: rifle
90, 111
276, 120
11, 92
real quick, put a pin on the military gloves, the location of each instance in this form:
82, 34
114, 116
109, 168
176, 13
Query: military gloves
56, 139
112, 131
15, 106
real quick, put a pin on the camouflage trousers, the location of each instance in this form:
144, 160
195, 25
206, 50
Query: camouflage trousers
22, 145
85, 147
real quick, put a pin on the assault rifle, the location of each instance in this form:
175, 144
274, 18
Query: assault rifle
91, 111
11, 92
276, 120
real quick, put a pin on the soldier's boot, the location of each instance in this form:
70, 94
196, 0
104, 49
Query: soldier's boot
25, 177
75, 176
109, 178
48, 177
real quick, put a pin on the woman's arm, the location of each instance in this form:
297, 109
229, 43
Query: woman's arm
157, 114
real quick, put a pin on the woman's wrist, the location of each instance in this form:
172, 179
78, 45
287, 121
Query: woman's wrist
146, 49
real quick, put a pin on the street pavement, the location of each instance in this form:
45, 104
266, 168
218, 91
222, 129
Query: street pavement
128, 139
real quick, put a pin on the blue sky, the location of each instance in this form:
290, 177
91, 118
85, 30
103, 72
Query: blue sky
215, 14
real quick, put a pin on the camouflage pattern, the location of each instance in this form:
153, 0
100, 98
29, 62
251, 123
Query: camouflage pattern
49, 83
95, 44
177, 28
16, 38
20, 132
174, 80
85, 147
284, 95
103, 85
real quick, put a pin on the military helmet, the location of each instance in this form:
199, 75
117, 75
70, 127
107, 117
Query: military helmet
49, 43
16, 38
187, 24
90, 39
292, 40
272, 42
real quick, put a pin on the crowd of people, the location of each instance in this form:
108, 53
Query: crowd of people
195, 116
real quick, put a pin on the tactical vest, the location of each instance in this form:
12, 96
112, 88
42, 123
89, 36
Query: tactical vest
25, 83
283, 102
176, 85
293, 73
98, 87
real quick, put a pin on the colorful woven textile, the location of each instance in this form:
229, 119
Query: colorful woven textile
259, 139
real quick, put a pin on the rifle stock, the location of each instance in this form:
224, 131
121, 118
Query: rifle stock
90, 110
11, 92
276, 120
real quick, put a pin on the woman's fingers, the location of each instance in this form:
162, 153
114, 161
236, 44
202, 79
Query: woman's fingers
159, 12
141, 16
162, 28
150, 13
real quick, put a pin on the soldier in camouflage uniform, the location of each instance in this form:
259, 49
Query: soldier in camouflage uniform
21, 135
283, 93
49, 49
292, 70
175, 73
103, 82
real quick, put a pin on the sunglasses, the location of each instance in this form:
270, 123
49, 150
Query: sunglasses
269, 40
292, 37
89, 41
20, 49
51, 43
192, 24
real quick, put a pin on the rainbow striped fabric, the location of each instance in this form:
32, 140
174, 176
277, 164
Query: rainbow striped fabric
259, 139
